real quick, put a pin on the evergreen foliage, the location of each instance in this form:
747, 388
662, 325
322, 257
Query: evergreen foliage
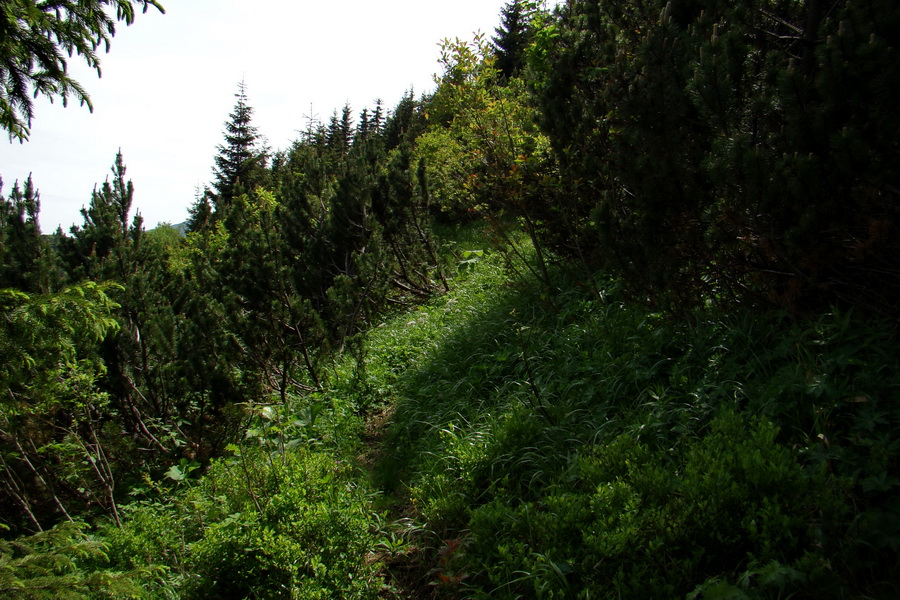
727, 136
49, 565
513, 37
35, 40
104, 247
26, 259
340, 132
403, 356
53, 463
240, 160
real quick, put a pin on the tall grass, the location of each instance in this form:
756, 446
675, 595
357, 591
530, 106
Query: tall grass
512, 439
587, 447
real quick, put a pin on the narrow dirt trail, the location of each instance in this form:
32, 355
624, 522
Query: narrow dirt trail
406, 553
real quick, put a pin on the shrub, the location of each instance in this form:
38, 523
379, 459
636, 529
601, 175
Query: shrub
650, 523
257, 525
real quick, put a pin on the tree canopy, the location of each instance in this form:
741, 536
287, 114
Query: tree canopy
513, 36
37, 38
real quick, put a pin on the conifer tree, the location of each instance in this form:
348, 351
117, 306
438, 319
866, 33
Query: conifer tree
52, 564
378, 116
406, 122
142, 368
50, 415
513, 37
736, 152
201, 211
401, 208
364, 127
26, 259
105, 244
240, 159
340, 131
35, 40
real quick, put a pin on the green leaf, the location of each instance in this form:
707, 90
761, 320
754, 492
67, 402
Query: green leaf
175, 473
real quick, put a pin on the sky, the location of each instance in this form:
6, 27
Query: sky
168, 86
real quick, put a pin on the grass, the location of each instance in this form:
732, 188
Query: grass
510, 440
505, 397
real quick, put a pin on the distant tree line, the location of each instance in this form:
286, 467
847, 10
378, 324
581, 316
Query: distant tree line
125, 349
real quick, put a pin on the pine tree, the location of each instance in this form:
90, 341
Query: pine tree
733, 152
26, 260
104, 246
401, 208
513, 37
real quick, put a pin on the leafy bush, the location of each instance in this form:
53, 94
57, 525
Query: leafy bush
650, 523
275, 526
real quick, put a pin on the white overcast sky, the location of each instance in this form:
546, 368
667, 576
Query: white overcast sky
169, 81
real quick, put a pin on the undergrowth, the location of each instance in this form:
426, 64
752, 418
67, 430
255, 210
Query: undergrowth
567, 444
510, 440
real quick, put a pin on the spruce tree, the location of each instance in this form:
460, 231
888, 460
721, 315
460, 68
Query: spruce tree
406, 122
36, 38
377, 116
513, 37
340, 131
200, 213
240, 158
362, 130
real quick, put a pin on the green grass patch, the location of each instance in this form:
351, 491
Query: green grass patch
510, 440
290, 525
583, 446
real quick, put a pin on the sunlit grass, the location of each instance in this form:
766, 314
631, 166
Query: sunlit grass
514, 440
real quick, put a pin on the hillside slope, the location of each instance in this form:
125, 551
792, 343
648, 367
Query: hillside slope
566, 443
507, 440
